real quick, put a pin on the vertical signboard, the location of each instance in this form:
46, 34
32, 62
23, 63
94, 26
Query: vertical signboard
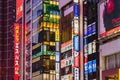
57, 56
76, 10
76, 42
16, 51
119, 74
19, 9
90, 33
76, 59
76, 73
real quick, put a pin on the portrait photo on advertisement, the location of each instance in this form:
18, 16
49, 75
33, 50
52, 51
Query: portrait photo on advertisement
109, 16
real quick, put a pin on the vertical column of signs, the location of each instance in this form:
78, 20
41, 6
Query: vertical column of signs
90, 39
76, 45
16, 50
85, 43
57, 39
57, 68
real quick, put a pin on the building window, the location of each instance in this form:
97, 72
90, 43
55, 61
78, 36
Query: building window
117, 60
39, 12
112, 61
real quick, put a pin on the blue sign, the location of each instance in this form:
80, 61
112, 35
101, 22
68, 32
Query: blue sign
85, 41
76, 10
94, 65
85, 31
76, 43
89, 66
89, 30
93, 27
57, 56
86, 68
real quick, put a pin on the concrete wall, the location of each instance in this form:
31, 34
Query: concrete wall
110, 47
63, 3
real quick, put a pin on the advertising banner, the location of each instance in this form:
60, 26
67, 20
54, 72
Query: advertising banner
109, 17
76, 59
76, 10
76, 43
57, 56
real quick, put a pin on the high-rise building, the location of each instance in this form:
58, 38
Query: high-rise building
109, 37
70, 55
45, 39
19, 42
90, 40
7, 19
28, 39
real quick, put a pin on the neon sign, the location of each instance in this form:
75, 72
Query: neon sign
19, 9
16, 51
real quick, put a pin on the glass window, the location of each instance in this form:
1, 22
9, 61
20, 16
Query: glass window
35, 2
35, 26
46, 35
52, 64
52, 77
37, 50
35, 11
35, 38
118, 60
39, 12
66, 27
112, 61
46, 64
46, 76
52, 36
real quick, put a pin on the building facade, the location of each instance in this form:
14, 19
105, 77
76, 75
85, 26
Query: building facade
90, 40
7, 19
70, 40
28, 39
45, 39
109, 37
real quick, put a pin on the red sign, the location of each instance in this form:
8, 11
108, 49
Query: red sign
16, 51
19, 9
76, 59
110, 32
26, 32
66, 43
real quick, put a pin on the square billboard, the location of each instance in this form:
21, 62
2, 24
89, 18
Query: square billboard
109, 17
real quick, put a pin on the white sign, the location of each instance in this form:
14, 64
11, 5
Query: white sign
66, 62
66, 48
57, 76
76, 73
57, 67
57, 46
76, 27
57, 56
76, 1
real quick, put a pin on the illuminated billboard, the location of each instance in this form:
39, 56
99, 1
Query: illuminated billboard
76, 43
90, 30
76, 59
109, 18
19, 9
76, 10
16, 50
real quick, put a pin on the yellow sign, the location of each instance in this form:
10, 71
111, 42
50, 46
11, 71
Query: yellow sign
118, 74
